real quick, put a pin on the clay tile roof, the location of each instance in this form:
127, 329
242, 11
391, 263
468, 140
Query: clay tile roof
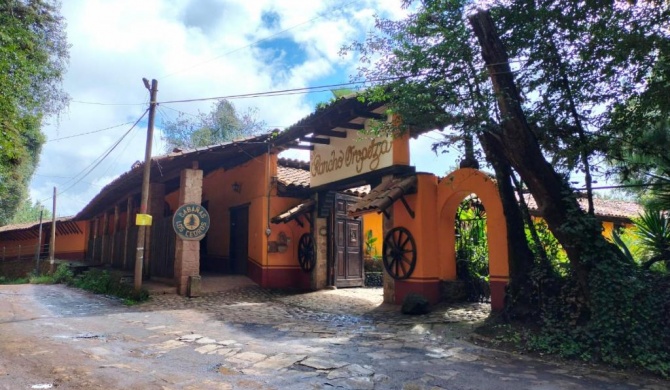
28, 230
295, 212
293, 173
603, 208
383, 196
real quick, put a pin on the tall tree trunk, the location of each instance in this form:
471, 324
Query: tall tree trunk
520, 300
578, 233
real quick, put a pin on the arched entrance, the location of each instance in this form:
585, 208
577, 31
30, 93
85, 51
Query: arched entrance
451, 191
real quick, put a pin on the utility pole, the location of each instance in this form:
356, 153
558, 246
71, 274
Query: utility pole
52, 240
144, 220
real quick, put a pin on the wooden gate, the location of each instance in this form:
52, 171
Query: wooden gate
162, 248
347, 245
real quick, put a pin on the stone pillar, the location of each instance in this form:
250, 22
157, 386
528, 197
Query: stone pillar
155, 208
319, 277
187, 253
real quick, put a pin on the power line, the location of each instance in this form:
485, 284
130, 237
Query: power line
86, 171
284, 92
90, 132
319, 16
106, 104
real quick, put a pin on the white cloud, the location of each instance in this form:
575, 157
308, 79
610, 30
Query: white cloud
193, 53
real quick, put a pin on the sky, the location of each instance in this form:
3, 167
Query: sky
195, 49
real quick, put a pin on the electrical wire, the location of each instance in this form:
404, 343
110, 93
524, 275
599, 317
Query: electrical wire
86, 171
285, 92
87, 133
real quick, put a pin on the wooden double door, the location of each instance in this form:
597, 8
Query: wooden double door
347, 245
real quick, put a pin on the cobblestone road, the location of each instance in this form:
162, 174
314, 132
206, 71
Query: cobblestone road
251, 338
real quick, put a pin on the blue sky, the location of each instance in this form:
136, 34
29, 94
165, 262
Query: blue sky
196, 49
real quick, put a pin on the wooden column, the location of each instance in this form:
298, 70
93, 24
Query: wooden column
129, 224
115, 228
105, 232
94, 233
387, 224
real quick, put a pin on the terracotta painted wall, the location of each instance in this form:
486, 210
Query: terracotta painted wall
71, 246
374, 222
292, 230
423, 227
217, 189
11, 248
73, 243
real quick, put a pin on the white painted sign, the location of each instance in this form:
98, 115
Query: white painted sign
347, 157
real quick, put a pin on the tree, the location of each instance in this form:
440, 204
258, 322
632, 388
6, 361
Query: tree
33, 58
548, 88
222, 124
30, 212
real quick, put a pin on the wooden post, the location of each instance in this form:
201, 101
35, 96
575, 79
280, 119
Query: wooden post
52, 240
105, 232
39, 247
95, 236
115, 228
19, 252
129, 221
139, 254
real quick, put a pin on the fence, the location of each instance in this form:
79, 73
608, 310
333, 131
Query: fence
113, 249
18, 261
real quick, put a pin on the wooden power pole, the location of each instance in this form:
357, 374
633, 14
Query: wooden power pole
52, 239
143, 219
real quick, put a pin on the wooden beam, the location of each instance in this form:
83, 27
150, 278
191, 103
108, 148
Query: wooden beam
352, 126
300, 147
314, 140
332, 133
369, 115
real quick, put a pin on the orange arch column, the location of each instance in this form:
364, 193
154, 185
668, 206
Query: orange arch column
425, 279
451, 191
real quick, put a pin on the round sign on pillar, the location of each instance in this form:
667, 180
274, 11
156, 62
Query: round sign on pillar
191, 222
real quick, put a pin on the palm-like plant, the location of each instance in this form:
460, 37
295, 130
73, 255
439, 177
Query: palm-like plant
653, 235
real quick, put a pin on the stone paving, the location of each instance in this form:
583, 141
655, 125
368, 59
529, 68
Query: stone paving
348, 339
252, 338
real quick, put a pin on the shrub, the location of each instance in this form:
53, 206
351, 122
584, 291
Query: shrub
63, 274
102, 282
4, 280
41, 279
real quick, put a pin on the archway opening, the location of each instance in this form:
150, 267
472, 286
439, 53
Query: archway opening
472, 249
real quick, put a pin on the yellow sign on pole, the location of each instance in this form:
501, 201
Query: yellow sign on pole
143, 220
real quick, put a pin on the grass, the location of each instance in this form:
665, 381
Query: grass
95, 280
4, 280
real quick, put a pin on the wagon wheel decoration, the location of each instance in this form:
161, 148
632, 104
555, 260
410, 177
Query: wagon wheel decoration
306, 256
399, 253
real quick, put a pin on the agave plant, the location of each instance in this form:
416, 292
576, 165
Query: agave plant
653, 235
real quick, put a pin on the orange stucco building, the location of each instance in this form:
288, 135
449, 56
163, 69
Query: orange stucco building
292, 224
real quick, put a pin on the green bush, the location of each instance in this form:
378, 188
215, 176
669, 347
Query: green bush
41, 279
103, 282
63, 274
4, 280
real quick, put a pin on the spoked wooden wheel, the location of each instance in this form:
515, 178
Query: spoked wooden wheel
399, 253
306, 255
